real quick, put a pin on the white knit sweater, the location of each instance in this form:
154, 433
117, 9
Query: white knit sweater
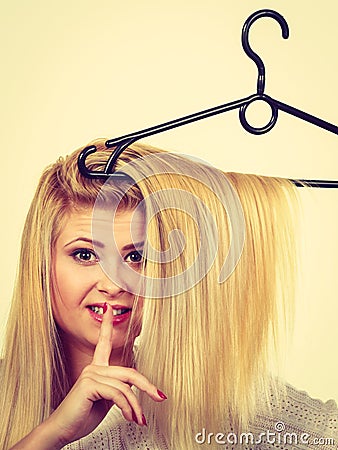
296, 422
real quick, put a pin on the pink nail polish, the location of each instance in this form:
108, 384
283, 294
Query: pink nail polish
105, 307
160, 394
144, 420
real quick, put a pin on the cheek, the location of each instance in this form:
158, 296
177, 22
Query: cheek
70, 286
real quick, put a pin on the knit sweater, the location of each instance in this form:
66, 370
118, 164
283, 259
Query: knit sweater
295, 422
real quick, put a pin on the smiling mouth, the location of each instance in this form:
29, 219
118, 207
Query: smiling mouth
116, 312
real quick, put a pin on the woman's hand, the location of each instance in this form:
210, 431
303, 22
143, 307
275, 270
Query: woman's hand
98, 381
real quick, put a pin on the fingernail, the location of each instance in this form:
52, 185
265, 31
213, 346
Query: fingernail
134, 417
160, 394
105, 307
144, 420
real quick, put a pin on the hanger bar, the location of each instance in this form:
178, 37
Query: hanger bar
315, 183
121, 143
306, 116
135, 136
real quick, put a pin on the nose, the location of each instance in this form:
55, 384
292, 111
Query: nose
108, 287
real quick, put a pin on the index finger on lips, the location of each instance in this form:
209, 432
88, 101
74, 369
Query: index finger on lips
105, 343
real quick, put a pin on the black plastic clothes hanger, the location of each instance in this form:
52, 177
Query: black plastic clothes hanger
122, 142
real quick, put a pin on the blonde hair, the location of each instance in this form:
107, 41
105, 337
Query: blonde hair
209, 346
205, 345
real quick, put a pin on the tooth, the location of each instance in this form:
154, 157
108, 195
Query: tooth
100, 311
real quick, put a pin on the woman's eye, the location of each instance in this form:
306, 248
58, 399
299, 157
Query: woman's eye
134, 257
84, 255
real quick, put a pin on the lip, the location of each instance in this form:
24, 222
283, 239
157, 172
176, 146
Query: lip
117, 319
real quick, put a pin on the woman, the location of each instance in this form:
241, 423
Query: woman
53, 327
213, 297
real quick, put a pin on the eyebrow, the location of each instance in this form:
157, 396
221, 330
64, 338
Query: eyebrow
134, 245
84, 239
127, 247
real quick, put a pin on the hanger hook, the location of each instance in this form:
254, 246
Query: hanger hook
246, 46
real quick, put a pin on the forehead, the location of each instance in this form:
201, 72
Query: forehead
125, 225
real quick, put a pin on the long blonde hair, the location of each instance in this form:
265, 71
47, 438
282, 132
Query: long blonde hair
206, 341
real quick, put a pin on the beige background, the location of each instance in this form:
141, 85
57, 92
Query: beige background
76, 70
